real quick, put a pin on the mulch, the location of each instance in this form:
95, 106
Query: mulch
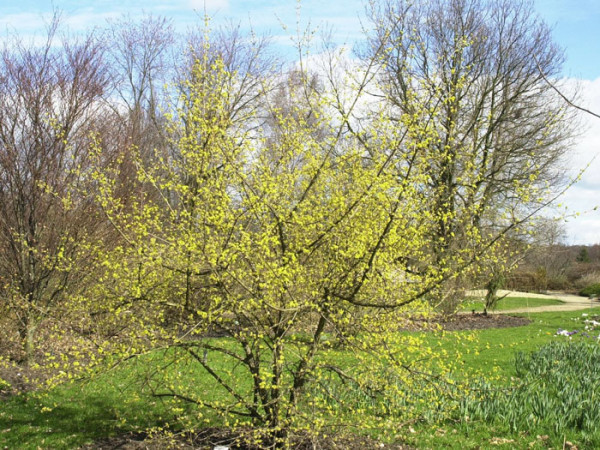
211, 438
480, 321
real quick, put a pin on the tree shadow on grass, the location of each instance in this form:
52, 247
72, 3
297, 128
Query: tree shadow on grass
37, 421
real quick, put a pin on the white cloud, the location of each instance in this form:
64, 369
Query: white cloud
24, 22
584, 229
584, 196
86, 19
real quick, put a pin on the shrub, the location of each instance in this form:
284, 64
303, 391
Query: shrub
593, 290
558, 283
588, 278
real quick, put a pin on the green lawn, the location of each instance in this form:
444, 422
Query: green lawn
511, 303
491, 356
80, 413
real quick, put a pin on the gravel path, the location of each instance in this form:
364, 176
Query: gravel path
570, 302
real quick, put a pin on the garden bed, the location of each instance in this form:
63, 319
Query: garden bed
210, 438
479, 321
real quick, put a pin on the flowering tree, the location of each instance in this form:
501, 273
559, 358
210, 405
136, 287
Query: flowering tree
274, 236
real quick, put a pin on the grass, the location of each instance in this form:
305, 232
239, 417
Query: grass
511, 303
491, 357
80, 413
492, 350
552, 401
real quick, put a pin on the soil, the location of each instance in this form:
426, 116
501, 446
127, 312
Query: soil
211, 438
480, 321
19, 378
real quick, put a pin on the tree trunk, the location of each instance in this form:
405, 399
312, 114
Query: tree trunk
27, 330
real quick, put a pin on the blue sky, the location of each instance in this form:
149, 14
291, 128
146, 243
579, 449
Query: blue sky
575, 23
576, 27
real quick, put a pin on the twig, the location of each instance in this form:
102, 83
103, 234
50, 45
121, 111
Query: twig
564, 97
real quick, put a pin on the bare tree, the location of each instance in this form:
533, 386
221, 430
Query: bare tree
49, 104
142, 63
548, 258
248, 58
471, 72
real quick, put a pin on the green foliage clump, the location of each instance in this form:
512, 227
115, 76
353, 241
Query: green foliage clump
557, 391
4, 385
591, 291
583, 256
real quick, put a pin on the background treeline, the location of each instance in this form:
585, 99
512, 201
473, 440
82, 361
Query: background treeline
557, 267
